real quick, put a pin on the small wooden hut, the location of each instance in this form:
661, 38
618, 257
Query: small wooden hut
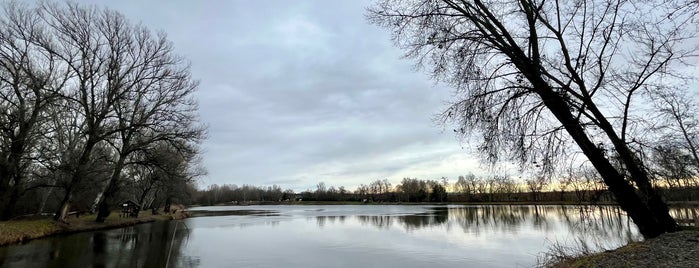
129, 209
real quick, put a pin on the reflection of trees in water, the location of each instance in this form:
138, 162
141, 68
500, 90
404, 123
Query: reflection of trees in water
688, 216
599, 225
68, 252
509, 219
600, 222
57, 251
144, 245
592, 227
380, 221
150, 245
323, 220
433, 217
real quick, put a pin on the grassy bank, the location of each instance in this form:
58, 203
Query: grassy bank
22, 230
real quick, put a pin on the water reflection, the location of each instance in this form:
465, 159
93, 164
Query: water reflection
341, 236
504, 218
146, 245
595, 223
688, 216
321, 221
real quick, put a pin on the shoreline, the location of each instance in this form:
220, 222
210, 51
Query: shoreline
24, 230
678, 249
333, 203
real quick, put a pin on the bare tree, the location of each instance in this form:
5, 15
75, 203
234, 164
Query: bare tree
58, 146
170, 171
465, 185
123, 89
321, 191
679, 109
84, 94
157, 104
75, 36
674, 166
385, 186
536, 185
535, 77
29, 82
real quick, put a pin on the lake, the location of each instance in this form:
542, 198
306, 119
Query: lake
338, 236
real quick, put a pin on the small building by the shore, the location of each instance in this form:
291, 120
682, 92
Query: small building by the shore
130, 209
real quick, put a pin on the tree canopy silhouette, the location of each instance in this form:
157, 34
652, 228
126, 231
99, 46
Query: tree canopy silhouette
541, 80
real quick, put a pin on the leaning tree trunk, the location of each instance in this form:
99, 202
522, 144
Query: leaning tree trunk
104, 208
75, 180
106, 199
649, 194
45, 198
645, 207
62, 212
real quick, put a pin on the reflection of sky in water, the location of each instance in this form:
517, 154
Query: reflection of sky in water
409, 236
339, 236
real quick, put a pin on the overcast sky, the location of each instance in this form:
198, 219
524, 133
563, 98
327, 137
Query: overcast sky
298, 92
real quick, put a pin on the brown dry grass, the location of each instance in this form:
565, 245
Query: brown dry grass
22, 230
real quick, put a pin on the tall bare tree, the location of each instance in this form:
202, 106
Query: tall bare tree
83, 94
29, 82
80, 37
170, 170
534, 75
673, 165
127, 87
157, 104
678, 110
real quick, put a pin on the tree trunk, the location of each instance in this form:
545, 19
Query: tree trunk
109, 193
65, 205
4, 192
649, 195
106, 204
43, 201
648, 211
75, 179
11, 179
8, 202
98, 199
142, 198
168, 202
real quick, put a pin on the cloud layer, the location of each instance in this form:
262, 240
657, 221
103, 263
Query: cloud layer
298, 92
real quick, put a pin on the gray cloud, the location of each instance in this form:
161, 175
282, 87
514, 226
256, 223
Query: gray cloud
296, 92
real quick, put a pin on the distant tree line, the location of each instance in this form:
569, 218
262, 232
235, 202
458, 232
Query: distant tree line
231, 193
581, 186
94, 110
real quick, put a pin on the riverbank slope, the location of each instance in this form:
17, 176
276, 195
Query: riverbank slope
23, 230
679, 249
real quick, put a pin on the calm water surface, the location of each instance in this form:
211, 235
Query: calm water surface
337, 236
